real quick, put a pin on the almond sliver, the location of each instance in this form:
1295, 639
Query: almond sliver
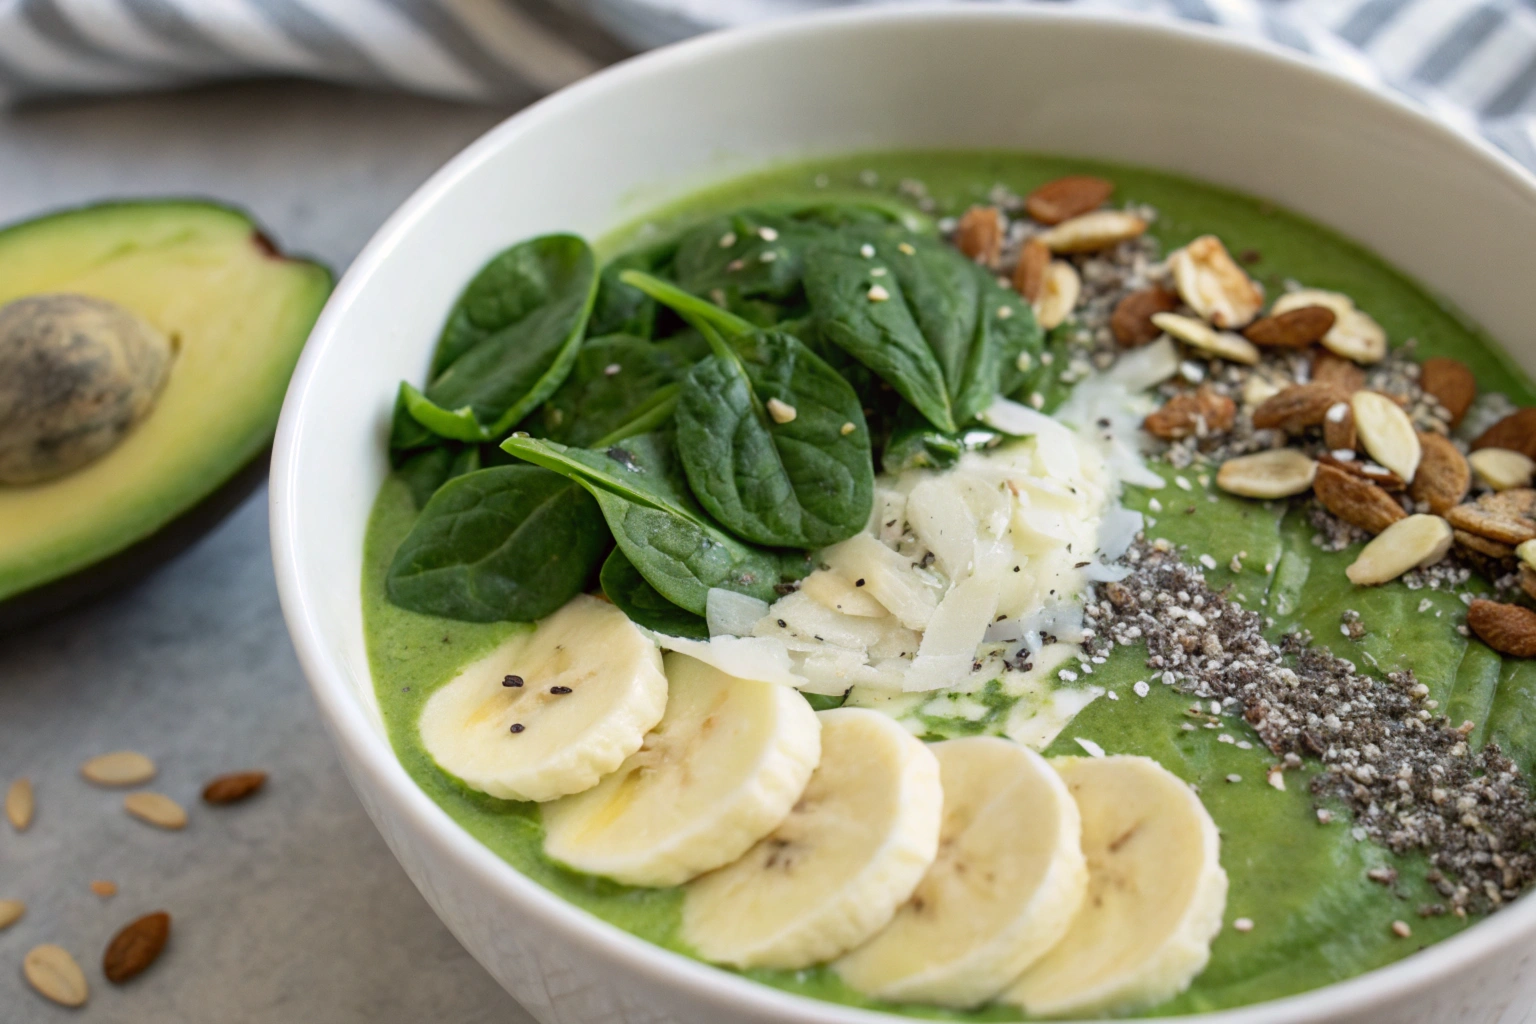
1386, 433
1406, 544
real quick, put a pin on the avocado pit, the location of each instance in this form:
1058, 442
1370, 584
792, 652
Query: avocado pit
76, 375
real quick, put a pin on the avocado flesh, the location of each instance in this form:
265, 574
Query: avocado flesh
238, 313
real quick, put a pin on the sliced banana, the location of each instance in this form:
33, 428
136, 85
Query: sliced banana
1009, 878
550, 712
1156, 893
851, 852
720, 771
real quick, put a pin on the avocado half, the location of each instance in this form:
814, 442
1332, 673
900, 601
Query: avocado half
237, 312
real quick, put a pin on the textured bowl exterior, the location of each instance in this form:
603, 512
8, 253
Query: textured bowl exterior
1441, 206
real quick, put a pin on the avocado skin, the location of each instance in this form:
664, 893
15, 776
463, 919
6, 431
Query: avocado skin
143, 554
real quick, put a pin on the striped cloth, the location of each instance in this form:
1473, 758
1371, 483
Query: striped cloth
1471, 61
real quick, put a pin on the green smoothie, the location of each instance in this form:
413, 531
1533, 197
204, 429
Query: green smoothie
1315, 917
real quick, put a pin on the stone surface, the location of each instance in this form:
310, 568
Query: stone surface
288, 907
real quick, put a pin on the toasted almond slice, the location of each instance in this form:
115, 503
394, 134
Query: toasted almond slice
1093, 231
1406, 544
1502, 469
1131, 321
1029, 275
1495, 526
1069, 197
1339, 432
1336, 370
1482, 545
19, 804
1355, 500
121, 768
55, 975
1277, 473
1197, 413
1507, 628
155, 808
1451, 383
1200, 336
1365, 469
1298, 407
1386, 433
1059, 293
11, 911
1295, 329
237, 786
1213, 285
1354, 334
1519, 502
1517, 432
1443, 477
103, 888
979, 234
1260, 388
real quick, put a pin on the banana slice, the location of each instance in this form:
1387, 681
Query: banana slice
1009, 877
1156, 893
721, 770
851, 852
550, 712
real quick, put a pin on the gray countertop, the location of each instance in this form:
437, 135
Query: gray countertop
288, 908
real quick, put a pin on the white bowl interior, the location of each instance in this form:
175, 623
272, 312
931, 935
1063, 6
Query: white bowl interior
1439, 206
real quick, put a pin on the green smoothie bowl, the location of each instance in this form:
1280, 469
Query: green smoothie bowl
954, 513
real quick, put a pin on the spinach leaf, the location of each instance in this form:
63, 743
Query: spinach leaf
866, 314
1042, 376
644, 496
510, 340
1006, 329
510, 543
620, 308
746, 255
425, 471
643, 603
824, 702
614, 382
916, 444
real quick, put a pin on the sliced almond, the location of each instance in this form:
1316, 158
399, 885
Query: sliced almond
19, 804
979, 234
1507, 628
1297, 328
1069, 197
1495, 526
55, 975
1354, 334
122, 768
1092, 232
1029, 275
1298, 407
11, 911
1528, 580
1131, 321
103, 888
1355, 500
1501, 468
1192, 414
1386, 433
1200, 336
1058, 294
1260, 388
1328, 368
1451, 383
136, 947
1483, 546
1213, 285
1277, 473
155, 808
1339, 432
1443, 478
1526, 552
1517, 432
1365, 469
1519, 502
237, 786
1406, 544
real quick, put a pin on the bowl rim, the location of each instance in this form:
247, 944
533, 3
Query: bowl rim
351, 727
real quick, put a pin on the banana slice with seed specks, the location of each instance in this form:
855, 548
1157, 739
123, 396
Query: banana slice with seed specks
1009, 878
720, 771
548, 713
1156, 893
852, 850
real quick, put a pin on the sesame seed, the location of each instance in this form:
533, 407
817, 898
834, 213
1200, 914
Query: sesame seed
767, 234
735, 265
1208, 561
877, 293
1243, 924
768, 256
1234, 778
906, 248
867, 251
728, 239
846, 429
859, 582
559, 689
611, 369
1401, 929
782, 412
876, 271
1141, 688
1004, 312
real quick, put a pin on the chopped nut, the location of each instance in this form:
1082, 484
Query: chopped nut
1502, 469
1298, 328
1298, 407
156, 809
1199, 336
1058, 294
1408, 543
1477, 518
55, 975
1386, 433
11, 911
1277, 473
1356, 501
1354, 335
980, 234
1517, 432
1507, 628
1131, 323
1443, 477
1029, 275
1192, 414
1451, 383
1213, 285
1093, 231
1338, 371
1069, 197
19, 804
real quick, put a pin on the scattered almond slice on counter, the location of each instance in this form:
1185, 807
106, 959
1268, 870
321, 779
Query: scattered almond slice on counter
1131, 322
1444, 477
155, 809
11, 911
1092, 232
136, 947
1507, 628
1203, 338
120, 768
1339, 432
1451, 384
1354, 334
1065, 198
1059, 293
1386, 432
1277, 473
1409, 543
1355, 500
19, 804
103, 888
1297, 328
979, 234
1517, 432
1298, 407
1213, 285
55, 975
1192, 414
1029, 275
234, 787
1501, 468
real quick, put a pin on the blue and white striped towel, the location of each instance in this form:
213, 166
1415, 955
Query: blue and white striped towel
1471, 61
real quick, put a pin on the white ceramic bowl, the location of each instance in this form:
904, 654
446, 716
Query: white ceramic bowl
1441, 206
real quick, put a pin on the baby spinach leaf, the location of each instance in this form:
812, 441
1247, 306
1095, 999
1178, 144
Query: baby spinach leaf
425, 471
644, 496
1005, 329
620, 308
867, 316
746, 255
510, 340
643, 603
614, 381
825, 702
510, 543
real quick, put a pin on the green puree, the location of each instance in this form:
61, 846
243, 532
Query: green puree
1316, 917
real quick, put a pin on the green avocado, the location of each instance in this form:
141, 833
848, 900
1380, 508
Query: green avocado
236, 312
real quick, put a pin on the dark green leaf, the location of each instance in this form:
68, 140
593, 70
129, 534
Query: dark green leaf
824, 702
426, 471
1005, 328
620, 308
643, 603
614, 382
511, 543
